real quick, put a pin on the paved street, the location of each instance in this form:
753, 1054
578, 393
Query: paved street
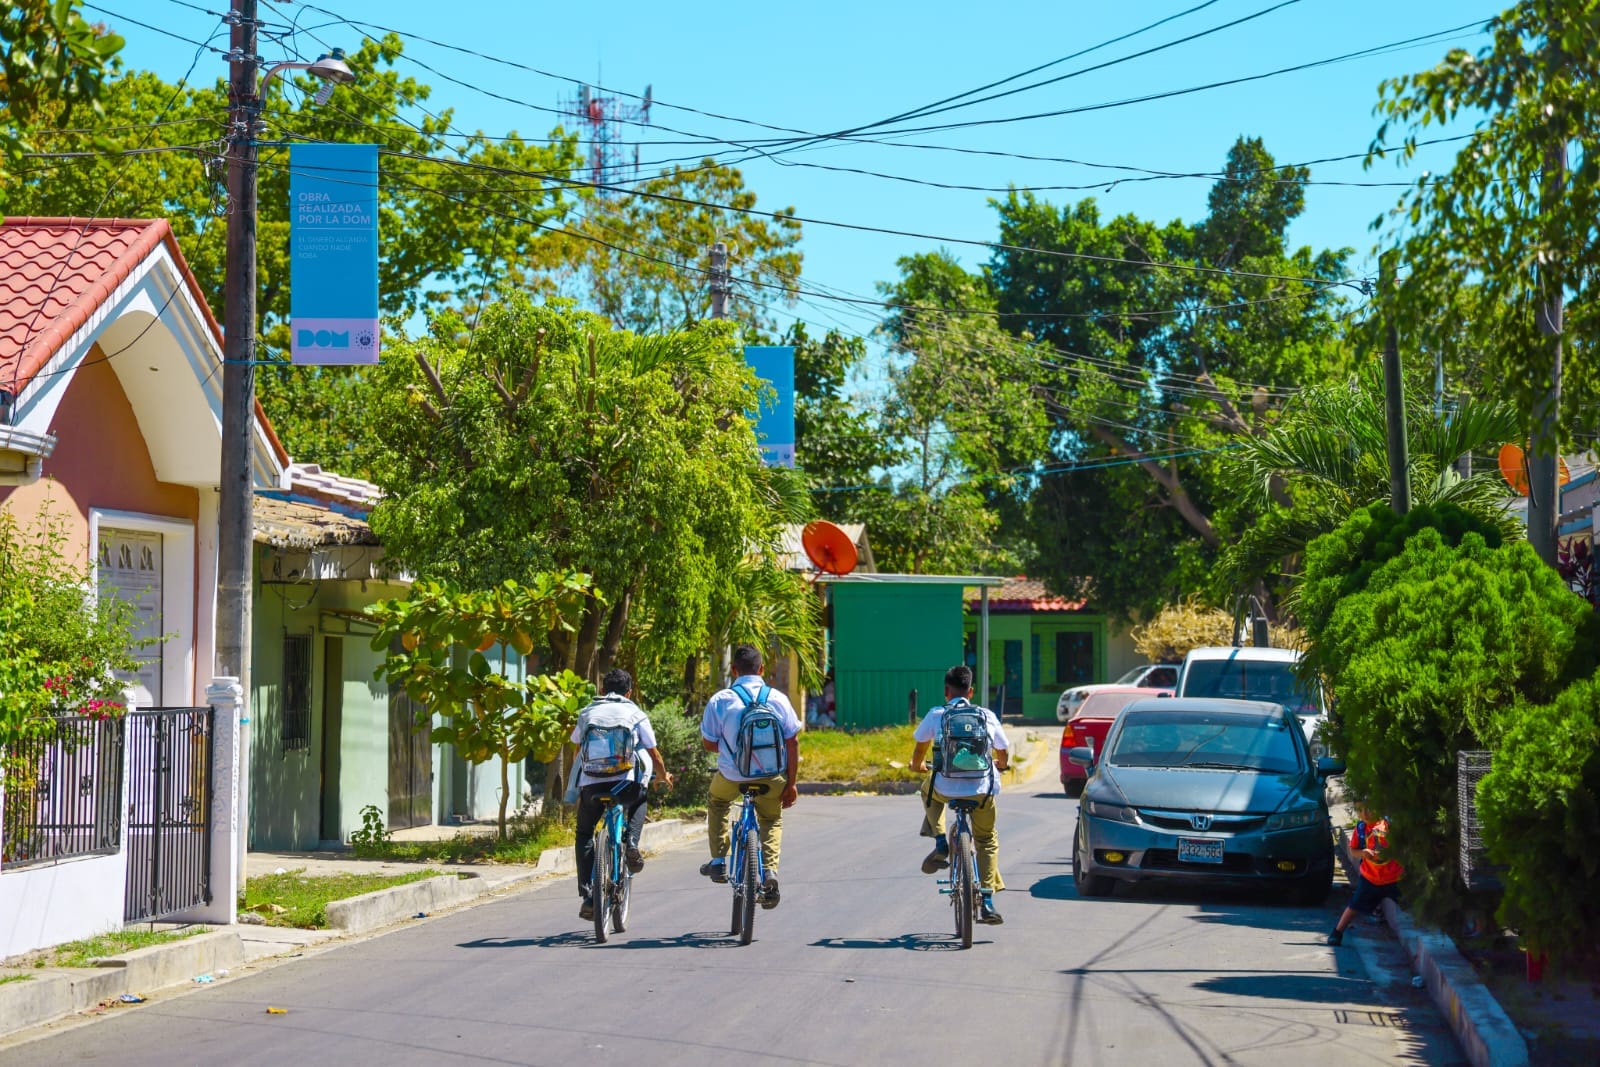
856, 967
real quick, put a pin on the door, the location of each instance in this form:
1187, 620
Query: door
1005, 696
410, 764
332, 724
129, 566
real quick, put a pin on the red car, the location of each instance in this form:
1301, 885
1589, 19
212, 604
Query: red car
1090, 723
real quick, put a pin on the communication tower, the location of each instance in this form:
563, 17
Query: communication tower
602, 123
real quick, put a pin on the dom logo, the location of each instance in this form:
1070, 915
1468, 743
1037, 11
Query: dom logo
324, 339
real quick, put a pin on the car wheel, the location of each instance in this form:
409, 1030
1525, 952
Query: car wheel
1313, 891
1073, 787
1089, 885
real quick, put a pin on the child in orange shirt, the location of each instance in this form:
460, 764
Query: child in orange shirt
1378, 880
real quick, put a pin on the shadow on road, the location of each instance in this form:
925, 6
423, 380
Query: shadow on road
567, 940
701, 939
1312, 988
911, 942
1054, 887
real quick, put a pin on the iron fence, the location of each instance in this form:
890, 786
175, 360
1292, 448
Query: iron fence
1476, 870
63, 793
169, 811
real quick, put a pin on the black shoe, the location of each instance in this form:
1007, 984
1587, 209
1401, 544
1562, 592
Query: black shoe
937, 860
586, 912
635, 860
716, 870
767, 896
987, 915
1336, 938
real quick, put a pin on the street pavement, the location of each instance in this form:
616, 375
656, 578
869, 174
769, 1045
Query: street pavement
857, 966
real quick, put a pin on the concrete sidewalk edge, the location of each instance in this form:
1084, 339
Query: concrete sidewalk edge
1481, 1026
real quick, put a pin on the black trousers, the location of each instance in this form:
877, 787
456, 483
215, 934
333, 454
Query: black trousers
632, 798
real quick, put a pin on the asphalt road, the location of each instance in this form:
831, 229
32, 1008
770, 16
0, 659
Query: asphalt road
857, 966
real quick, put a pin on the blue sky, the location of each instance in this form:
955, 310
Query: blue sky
831, 65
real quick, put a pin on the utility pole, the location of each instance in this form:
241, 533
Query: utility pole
1544, 490
721, 284
1394, 390
235, 527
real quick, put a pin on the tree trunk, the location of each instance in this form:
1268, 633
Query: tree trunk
616, 626
691, 675
588, 636
505, 792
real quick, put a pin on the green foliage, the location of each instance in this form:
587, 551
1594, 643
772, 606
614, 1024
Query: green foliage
372, 840
52, 63
678, 739
441, 634
301, 900
1483, 244
58, 649
1425, 659
1540, 809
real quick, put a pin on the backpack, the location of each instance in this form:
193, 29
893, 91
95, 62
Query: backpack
607, 749
964, 742
759, 750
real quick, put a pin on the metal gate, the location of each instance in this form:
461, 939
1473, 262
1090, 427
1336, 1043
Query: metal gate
168, 834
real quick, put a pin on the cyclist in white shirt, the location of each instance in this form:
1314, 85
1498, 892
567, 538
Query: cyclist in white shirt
940, 789
615, 707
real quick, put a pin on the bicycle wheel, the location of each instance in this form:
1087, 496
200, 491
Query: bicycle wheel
749, 884
962, 891
621, 892
601, 882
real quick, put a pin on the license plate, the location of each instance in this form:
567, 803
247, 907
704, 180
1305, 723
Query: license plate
1199, 850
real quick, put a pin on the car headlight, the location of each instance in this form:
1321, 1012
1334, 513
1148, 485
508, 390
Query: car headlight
1288, 820
1099, 809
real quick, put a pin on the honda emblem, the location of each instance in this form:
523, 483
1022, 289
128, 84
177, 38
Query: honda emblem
1200, 822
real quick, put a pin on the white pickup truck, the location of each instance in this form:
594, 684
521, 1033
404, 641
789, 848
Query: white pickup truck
1252, 673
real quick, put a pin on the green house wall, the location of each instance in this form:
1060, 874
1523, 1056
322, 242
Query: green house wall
1034, 635
888, 639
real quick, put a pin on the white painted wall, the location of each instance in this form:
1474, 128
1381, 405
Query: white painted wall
65, 901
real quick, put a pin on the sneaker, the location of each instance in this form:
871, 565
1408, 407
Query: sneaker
768, 895
634, 859
586, 911
1336, 938
716, 870
937, 860
987, 915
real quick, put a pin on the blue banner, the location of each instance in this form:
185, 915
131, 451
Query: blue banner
333, 253
775, 420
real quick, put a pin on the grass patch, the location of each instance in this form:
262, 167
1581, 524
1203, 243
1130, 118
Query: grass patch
301, 900
5, 978
525, 840
869, 756
84, 953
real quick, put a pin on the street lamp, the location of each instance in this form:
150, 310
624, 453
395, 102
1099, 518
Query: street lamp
237, 490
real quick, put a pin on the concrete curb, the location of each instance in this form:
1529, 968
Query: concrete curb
1482, 1028
354, 915
176, 961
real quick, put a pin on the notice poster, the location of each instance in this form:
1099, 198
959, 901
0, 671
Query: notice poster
333, 253
775, 420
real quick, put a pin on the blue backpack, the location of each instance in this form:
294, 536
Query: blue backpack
759, 749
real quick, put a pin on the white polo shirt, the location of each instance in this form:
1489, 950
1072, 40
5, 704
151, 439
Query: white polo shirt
612, 709
720, 723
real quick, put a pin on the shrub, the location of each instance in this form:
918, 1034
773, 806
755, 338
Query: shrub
1425, 659
1540, 810
678, 738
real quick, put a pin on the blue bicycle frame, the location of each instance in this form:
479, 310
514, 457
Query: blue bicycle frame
610, 883
746, 872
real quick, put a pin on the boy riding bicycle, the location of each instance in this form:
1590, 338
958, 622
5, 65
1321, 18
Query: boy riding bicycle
617, 755
974, 773
720, 732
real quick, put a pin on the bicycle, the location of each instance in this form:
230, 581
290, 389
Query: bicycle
965, 895
611, 885
746, 870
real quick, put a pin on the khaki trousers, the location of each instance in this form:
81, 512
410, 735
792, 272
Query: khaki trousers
984, 836
769, 816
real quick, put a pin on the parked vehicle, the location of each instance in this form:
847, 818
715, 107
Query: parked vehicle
1252, 673
1089, 725
1205, 790
1145, 676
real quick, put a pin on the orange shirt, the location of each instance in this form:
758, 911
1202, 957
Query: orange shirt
1386, 872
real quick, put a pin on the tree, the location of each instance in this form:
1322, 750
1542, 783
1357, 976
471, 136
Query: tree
1510, 223
639, 256
53, 64
1329, 456
442, 634
457, 211
548, 440
1162, 346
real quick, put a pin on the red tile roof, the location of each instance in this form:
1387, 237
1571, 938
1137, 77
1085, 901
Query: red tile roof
1023, 594
55, 273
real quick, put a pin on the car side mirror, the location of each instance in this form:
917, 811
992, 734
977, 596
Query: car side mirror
1328, 767
1081, 756
1164, 693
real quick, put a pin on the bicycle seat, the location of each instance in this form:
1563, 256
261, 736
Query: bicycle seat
965, 804
755, 789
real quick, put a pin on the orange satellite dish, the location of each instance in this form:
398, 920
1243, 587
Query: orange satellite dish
1514, 468
828, 547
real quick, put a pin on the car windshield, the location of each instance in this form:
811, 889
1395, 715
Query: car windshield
1130, 677
1241, 678
1178, 738
1106, 705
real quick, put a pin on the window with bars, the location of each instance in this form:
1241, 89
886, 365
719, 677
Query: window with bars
295, 732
